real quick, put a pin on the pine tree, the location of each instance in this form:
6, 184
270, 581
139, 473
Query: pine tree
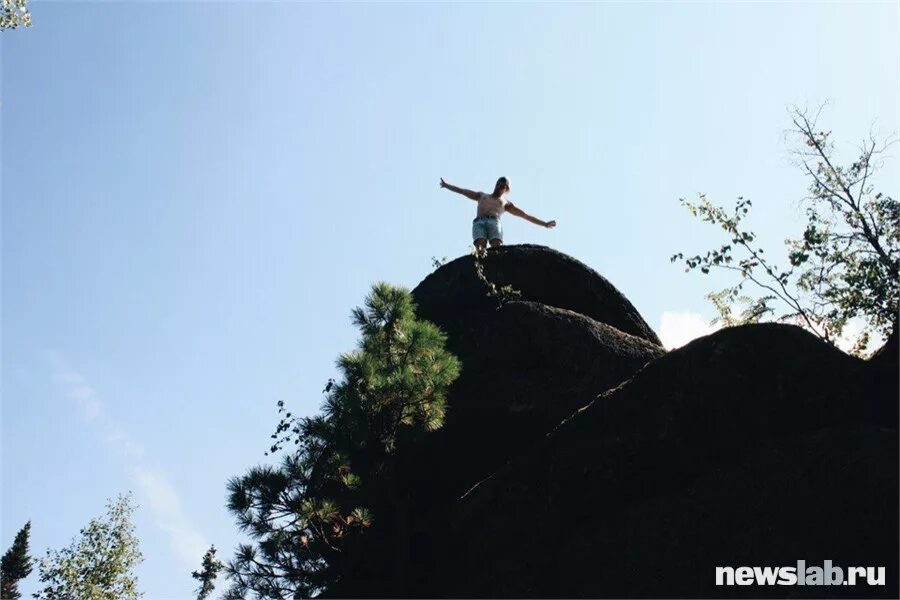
208, 573
15, 565
310, 515
98, 566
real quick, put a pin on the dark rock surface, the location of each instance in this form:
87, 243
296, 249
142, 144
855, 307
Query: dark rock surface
526, 367
542, 275
884, 379
825, 495
579, 459
752, 446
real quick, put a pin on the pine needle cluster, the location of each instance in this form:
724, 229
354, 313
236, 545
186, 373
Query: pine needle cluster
336, 481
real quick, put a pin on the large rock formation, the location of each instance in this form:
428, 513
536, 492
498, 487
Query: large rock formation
753, 446
579, 459
527, 364
526, 367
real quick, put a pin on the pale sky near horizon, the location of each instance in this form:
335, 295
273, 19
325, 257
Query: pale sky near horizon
195, 195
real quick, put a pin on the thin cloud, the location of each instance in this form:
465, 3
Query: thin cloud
75, 387
154, 489
678, 328
187, 543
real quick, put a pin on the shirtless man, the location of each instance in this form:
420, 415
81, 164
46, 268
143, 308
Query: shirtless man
486, 226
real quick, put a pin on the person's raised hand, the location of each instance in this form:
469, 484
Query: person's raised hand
443, 183
550, 224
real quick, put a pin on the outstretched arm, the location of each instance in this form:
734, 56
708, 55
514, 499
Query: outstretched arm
515, 210
459, 190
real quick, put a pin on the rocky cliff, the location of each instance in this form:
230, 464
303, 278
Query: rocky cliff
580, 459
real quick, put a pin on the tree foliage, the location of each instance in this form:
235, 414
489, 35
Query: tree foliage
100, 564
207, 574
15, 565
845, 264
310, 515
14, 13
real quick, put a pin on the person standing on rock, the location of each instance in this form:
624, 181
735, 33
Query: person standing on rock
486, 226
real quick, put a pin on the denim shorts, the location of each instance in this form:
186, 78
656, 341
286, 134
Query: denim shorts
487, 228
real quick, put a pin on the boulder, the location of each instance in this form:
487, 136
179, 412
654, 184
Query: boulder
579, 459
526, 367
726, 451
542, 275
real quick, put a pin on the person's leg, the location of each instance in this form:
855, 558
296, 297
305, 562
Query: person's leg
495, 233
480, 234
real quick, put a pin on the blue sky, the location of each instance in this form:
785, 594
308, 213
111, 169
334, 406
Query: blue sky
194, 196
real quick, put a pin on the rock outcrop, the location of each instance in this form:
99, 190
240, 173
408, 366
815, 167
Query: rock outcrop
753, 446
579, 459
526, 365
541, 275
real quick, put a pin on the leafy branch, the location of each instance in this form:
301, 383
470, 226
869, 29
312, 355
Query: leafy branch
13, 14
500, 294
845, 264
